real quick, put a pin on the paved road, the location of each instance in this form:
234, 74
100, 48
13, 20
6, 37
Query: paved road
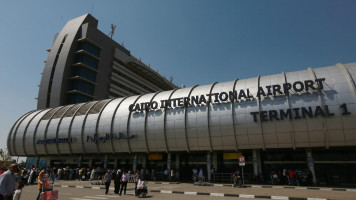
30, 193
85, 191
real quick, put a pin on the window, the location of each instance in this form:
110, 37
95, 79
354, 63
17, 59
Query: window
91, 62
132, 80
82, 86
78, 98
85, 73
89, 48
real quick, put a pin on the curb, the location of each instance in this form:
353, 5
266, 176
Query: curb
274, 187
235, 195
201, 193
291, 187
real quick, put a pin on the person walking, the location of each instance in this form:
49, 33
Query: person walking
117, 181
18, 192
107, 179
41, 182
124, 179
138, 176
7, 182
173, 176
166, 173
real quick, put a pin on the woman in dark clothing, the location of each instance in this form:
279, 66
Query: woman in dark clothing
117, 181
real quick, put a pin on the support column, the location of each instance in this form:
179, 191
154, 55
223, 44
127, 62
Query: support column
259, 162
115, 163
177, 166
80, 160
134, 164
144, 161
255, 161
215, 160
169, 164
208, 165
310, 163
90, 163
38, 161
106, 162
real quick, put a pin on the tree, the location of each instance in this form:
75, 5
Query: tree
5, 160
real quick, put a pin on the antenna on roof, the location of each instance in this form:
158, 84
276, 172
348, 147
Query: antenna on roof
113, 27
171, 79
92, 6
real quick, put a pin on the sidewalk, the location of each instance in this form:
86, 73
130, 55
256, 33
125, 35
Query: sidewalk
252, 191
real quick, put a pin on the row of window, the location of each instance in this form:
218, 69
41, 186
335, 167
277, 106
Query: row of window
91, 62
124, 87
89, 48
132, 80
78, 98
90, 75
85, 73
82, 86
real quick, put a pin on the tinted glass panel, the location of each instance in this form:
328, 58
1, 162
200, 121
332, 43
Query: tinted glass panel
85, 73
83, 87
77, 98
91, 62
89, 48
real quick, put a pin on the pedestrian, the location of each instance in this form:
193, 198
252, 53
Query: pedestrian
41, 182
201, 175
18, 192
291, 176
117, 181
123, 181
138, 177
173, 176
166, 172
92, 174
7, 182
80, 172
107, 179
59, 172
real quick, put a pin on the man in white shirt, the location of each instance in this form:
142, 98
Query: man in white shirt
7, 182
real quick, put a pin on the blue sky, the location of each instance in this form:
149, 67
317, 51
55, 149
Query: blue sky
196, 41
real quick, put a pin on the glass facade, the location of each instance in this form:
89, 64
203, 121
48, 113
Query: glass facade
91, 62
78, 98
89, 48
83, 87
85, 73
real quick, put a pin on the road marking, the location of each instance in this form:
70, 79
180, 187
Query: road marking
80, 199
256, 186
192, 193
325, 188
316, 199
350, 190
107, 196
217, 194
278, 187
96, 188
166, 191
279, 197
219, 185
301, 188
78, 186
95, 197
246, 196
64, 186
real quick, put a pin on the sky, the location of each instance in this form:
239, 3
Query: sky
195, 41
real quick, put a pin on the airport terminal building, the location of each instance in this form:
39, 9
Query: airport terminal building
303, 119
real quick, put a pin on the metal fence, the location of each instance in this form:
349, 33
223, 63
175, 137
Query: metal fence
227, 178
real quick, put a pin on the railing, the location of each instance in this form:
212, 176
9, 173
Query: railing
227, 178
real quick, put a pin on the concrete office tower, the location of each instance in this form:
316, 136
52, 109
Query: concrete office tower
84, 65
